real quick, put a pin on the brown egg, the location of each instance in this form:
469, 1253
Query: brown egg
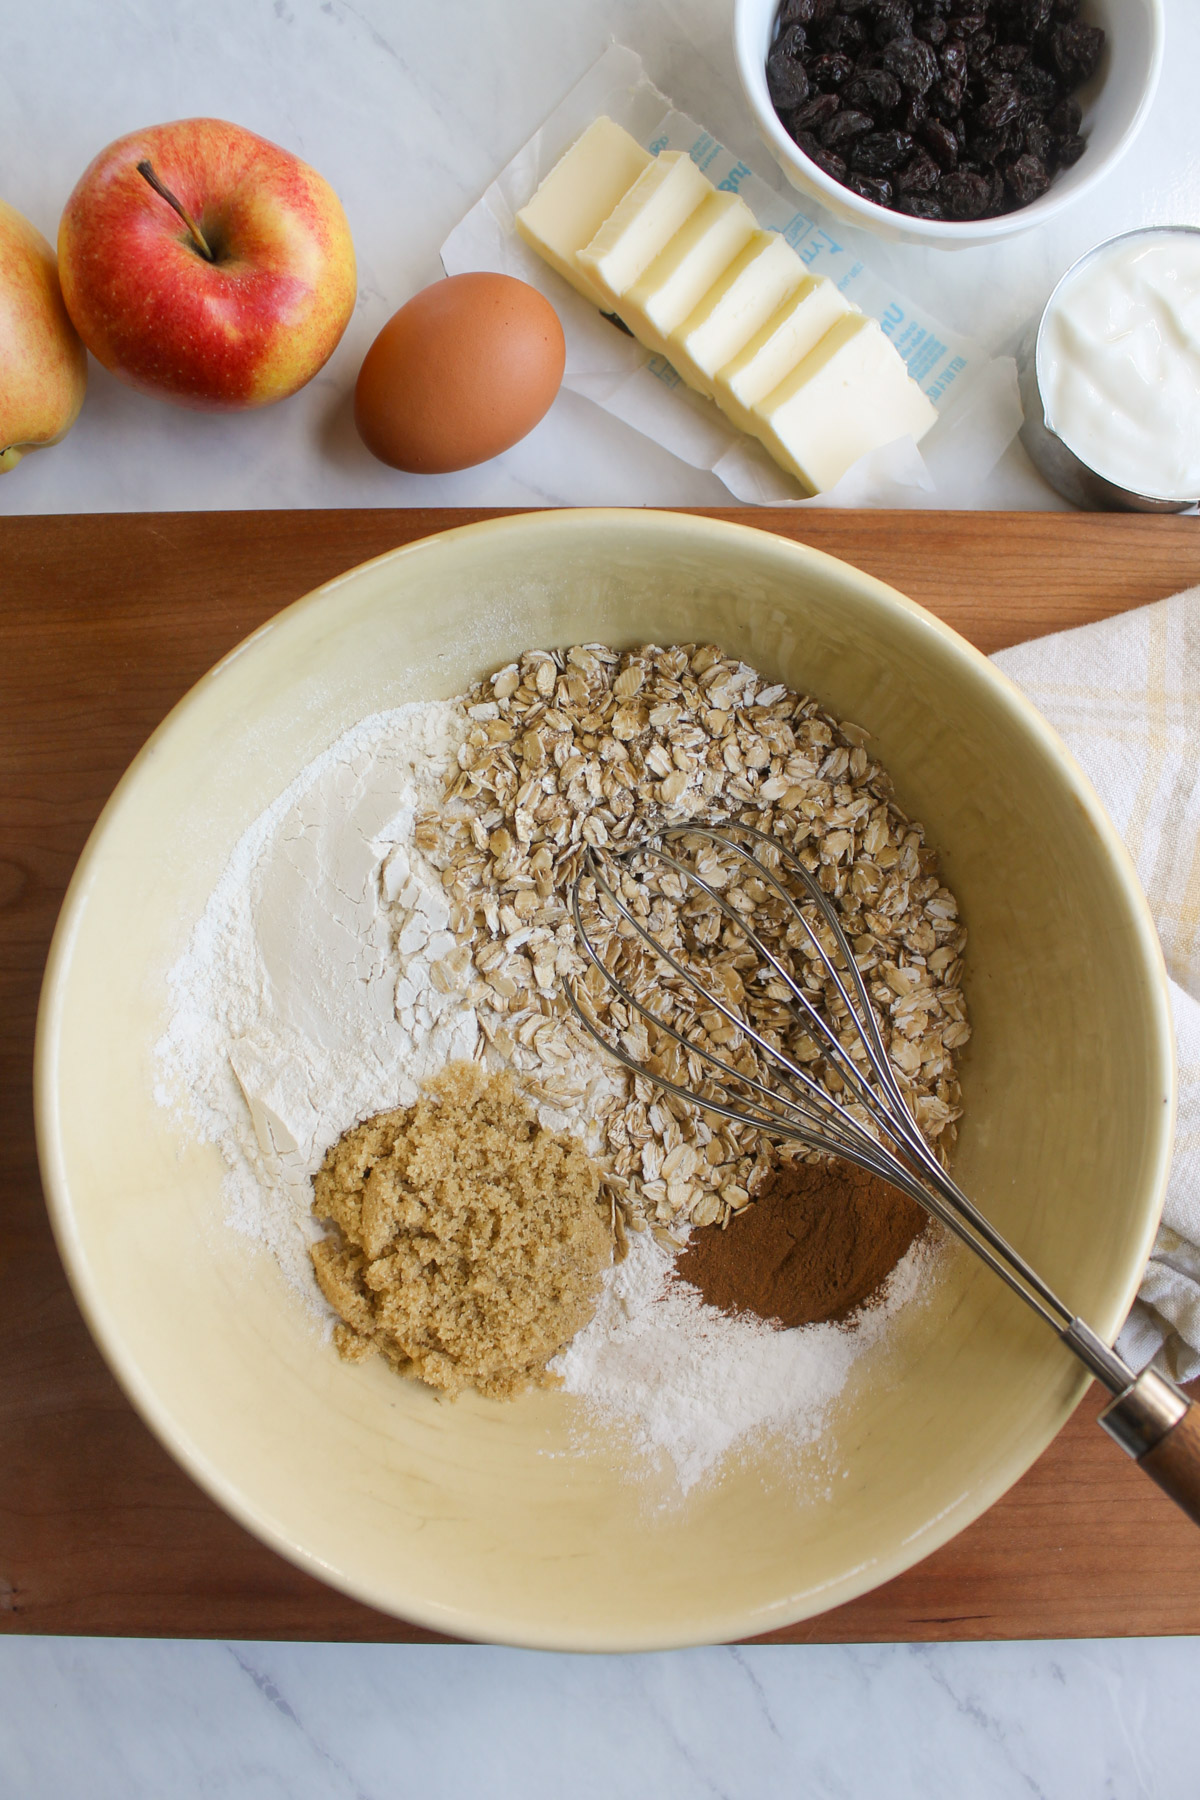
459, 374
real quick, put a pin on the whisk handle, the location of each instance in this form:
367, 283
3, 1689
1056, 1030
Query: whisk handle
1174, 1463
1160, 1428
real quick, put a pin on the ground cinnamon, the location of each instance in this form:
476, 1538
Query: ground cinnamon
819, 1241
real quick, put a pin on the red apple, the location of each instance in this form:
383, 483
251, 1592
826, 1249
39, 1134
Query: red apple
206, 266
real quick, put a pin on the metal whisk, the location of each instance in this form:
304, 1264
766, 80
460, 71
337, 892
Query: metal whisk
1149, 1417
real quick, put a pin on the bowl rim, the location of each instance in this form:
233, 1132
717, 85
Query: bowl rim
866, 214
254, 1516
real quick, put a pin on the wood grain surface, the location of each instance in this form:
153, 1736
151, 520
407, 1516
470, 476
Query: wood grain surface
105, 622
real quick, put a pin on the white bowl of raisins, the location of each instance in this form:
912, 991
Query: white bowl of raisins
948, 122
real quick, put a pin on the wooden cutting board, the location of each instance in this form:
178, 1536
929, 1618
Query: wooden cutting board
106, 622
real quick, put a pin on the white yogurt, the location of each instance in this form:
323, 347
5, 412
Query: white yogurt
1119, 363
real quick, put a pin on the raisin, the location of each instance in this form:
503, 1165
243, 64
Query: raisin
916, 113
1037, 84
845, 127
1026, 179
844, 34
796, 12
828, 160
893, 19
946, 101
792, 43
870, 188
816, 112
932, 31
965, 195
978, 48
1066, 118
1038, 140
831, 69
1067, 9
879, 152
913, 63
918, 175
968, 23
941, 141
1006, 59
953, 60
920, 206
1077, 51
872, 90
988, 146
787, 84
1033, 17
1068, 150
1000, 107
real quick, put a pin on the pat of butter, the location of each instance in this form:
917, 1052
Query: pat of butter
643, 222
792, 331
753, 286
851, 394
682, 273
576, 198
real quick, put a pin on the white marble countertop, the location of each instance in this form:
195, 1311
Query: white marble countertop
410, 110
118, 1720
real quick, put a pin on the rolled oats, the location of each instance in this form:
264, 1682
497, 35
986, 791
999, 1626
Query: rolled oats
587, 746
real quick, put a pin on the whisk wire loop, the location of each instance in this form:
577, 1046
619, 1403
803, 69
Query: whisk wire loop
899, 1126
817, 1105
814, 1123
811, 1116
836, 1049
863, 1016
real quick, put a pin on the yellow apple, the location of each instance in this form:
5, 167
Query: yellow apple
43, 365
204, 265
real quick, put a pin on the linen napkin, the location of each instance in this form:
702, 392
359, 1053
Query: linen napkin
1125, 695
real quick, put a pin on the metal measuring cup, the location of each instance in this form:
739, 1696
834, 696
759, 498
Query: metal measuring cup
1066, 471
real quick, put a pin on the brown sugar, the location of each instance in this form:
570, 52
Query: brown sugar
468, 1243
819, 1242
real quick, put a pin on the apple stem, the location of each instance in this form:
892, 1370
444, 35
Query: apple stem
146, 170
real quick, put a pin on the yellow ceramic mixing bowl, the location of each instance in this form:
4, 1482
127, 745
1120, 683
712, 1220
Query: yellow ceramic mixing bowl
481, 1518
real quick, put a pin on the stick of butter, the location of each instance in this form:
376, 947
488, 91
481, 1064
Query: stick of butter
785, 356
739, 303
643, 222
850, 394
684, 271
794, 328
576, 198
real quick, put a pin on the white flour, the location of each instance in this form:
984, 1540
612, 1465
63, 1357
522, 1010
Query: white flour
295, 1012
305, 1002
689, 1380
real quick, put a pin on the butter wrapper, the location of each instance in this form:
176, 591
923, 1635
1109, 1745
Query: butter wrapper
979, 410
